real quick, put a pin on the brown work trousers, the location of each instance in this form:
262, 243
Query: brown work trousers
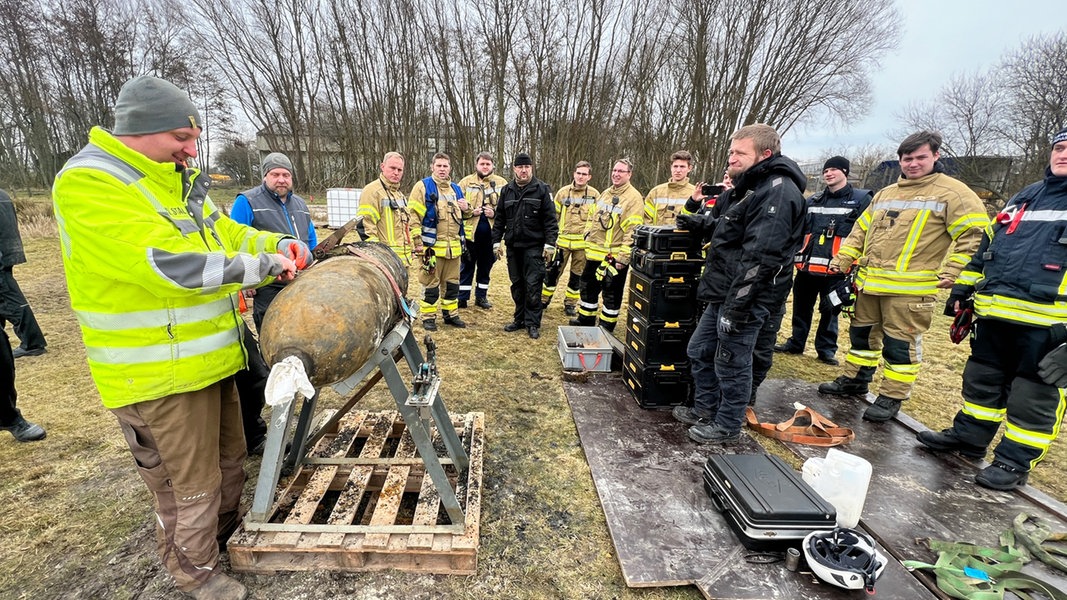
190, 452
889, 328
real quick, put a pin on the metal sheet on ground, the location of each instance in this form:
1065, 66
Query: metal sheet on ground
915, 493
665, 531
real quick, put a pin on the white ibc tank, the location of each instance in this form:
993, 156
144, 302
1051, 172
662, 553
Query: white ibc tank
341, 205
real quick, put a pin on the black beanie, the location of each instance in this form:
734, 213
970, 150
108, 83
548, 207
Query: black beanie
837, 162
523, 159
1060, 137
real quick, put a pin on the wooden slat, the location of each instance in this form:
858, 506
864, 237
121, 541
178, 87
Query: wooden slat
383, 486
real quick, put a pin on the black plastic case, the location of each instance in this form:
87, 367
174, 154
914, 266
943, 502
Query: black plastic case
765, 501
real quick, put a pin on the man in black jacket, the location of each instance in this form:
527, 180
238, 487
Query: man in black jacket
831, 215
756, 226
526, 223
13, 304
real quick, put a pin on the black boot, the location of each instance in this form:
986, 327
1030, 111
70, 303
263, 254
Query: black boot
946, 441
883, 409
1000, 476
429, 324
844, 386
454, 320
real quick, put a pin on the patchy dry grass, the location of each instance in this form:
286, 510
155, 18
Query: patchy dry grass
78, 515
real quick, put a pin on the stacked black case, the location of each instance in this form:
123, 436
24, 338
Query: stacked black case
661, 315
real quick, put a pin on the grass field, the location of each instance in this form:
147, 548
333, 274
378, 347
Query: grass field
77, 522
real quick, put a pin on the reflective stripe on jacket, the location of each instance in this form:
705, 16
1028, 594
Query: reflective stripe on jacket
479, 191
829, 220
611, 228
388, 219
152, 267
666, 201
574, 209
447, 242
902, 239
1019, 273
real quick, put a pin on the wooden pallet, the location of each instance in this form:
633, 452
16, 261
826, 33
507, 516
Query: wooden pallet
364, 502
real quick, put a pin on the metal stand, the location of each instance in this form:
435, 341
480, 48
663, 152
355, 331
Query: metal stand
399, 341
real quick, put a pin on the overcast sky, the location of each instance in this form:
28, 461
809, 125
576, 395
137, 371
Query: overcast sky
940, 38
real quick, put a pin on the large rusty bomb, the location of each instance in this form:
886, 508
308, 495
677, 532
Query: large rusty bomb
334, 315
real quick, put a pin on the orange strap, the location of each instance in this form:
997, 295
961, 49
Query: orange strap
819, 431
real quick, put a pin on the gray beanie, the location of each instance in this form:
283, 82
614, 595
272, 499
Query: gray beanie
277, 160
149, 104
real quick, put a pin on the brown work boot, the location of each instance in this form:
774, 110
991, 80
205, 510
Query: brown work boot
220, 587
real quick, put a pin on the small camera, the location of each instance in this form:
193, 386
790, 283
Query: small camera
711, 189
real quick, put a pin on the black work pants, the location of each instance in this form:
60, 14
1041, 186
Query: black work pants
592, 286
15, 308
477, 263
251, 382
8, 396
807, 288
526, 268
261, 302
1001, 385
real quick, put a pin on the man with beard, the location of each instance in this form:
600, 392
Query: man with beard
527, 225
1017, 371
756, 227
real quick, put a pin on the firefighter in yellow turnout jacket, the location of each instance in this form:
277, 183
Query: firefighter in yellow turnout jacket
439, 205
1017, 371
386, 215
899, 246
481, 190
667, 200
609, 235
574, 209
154, 270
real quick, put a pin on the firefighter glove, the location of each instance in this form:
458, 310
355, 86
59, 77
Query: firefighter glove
965, 299
296, 251
729, 322
1053, 367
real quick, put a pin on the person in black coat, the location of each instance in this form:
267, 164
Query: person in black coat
526, 223
13, 304
756, 227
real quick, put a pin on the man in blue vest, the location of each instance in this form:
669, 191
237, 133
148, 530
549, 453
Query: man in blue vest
273, 206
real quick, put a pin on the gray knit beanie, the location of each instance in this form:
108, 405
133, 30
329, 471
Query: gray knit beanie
149, 104
277, 160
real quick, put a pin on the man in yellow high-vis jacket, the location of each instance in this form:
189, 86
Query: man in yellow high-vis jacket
899, 246
154, 269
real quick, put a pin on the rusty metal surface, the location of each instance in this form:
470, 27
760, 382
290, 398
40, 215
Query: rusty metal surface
915, 493
334, 315
649, 479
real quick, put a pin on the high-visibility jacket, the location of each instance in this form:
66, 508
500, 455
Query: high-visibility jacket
611, 229
829, 220
481, 191
666, 201
153, 269
1019, 272
900, 241
388, 219
574, 209
448, 242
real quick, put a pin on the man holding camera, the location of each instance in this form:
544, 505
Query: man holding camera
666, 201
831, 214
609, 233
755, 228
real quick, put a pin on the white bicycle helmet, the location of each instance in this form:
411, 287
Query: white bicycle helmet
846, 558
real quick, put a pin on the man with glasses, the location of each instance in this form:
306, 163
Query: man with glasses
386, 216
574, 208
609, 234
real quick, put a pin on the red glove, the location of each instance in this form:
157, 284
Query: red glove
296, 251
